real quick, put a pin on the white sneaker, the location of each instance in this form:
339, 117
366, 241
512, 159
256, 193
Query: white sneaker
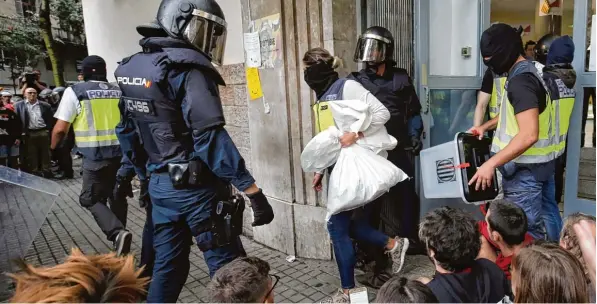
398, 253
338, 297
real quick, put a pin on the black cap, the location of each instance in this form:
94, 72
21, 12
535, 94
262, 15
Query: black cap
93, 67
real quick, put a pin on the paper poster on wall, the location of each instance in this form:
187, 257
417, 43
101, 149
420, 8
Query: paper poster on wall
592, 45
551, 7
254, 84
270, 40
252, 50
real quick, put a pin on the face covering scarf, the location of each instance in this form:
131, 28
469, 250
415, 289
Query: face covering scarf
503, 45
320, 77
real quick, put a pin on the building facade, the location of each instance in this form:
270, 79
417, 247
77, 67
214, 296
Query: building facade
71, 48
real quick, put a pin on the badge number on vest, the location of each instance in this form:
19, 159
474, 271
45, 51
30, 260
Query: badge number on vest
139, 106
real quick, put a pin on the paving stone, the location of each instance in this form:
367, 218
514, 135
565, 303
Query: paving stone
317, 297
289, 293
299, 298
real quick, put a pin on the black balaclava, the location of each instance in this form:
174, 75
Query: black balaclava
94, 68
320, 77
503, 44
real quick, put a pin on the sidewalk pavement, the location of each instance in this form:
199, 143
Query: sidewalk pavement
69, 225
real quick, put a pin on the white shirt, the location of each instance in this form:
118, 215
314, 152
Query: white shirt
380, 115
36, 121
69, 106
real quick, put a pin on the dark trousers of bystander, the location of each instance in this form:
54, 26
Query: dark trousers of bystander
37, 152
588, 93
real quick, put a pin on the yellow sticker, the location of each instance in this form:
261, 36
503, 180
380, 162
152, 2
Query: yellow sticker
254, 84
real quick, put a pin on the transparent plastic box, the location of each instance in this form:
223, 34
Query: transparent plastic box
447, 169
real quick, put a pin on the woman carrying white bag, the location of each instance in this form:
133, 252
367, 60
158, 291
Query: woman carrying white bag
322, 78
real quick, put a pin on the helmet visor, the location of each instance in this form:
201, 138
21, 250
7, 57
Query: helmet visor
207, 33
370, 50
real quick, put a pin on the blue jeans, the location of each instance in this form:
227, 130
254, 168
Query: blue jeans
537, 199
147, 251
177, 217
341, 227
550, 211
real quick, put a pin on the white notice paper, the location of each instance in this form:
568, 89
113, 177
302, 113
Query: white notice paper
252, 50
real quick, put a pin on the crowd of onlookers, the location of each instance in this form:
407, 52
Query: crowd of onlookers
489, 261
25, 128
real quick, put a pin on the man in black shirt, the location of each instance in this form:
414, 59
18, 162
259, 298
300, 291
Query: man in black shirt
453, 243
522, 142
10, 135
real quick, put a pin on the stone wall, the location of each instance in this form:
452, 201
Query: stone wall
234, 103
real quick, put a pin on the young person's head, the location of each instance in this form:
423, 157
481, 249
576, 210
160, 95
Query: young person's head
81, 279
569, 239
452, 238
545, 273
244, 280
320, 69
402, 290
506, 223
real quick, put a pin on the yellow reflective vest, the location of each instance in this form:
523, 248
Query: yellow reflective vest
546, 148
322, 112
563, 103
94, 126
498, 91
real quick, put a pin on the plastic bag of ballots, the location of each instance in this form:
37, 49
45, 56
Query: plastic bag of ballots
360, 174
359, 177
447, 169
322, 151
25, 201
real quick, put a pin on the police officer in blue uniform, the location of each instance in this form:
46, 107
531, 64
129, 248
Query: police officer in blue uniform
134, 162
399, 210
170, 91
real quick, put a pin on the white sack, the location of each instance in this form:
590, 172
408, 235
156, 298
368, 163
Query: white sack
322, 151
359, 177
350, 115
355, 116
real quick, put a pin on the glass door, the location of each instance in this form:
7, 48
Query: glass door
579, 190
449, 69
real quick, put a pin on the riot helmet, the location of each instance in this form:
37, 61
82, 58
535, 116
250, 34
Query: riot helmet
200, 23
45, 95
542, 47
151, 29
57, 94
375, 45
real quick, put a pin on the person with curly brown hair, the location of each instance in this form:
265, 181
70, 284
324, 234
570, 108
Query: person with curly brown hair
81, 279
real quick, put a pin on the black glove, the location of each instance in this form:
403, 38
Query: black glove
144, 194
123, 188
416, 145
263, 213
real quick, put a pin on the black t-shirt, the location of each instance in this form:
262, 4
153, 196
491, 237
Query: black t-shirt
10, 126
525, 92
485, 282
487, 84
